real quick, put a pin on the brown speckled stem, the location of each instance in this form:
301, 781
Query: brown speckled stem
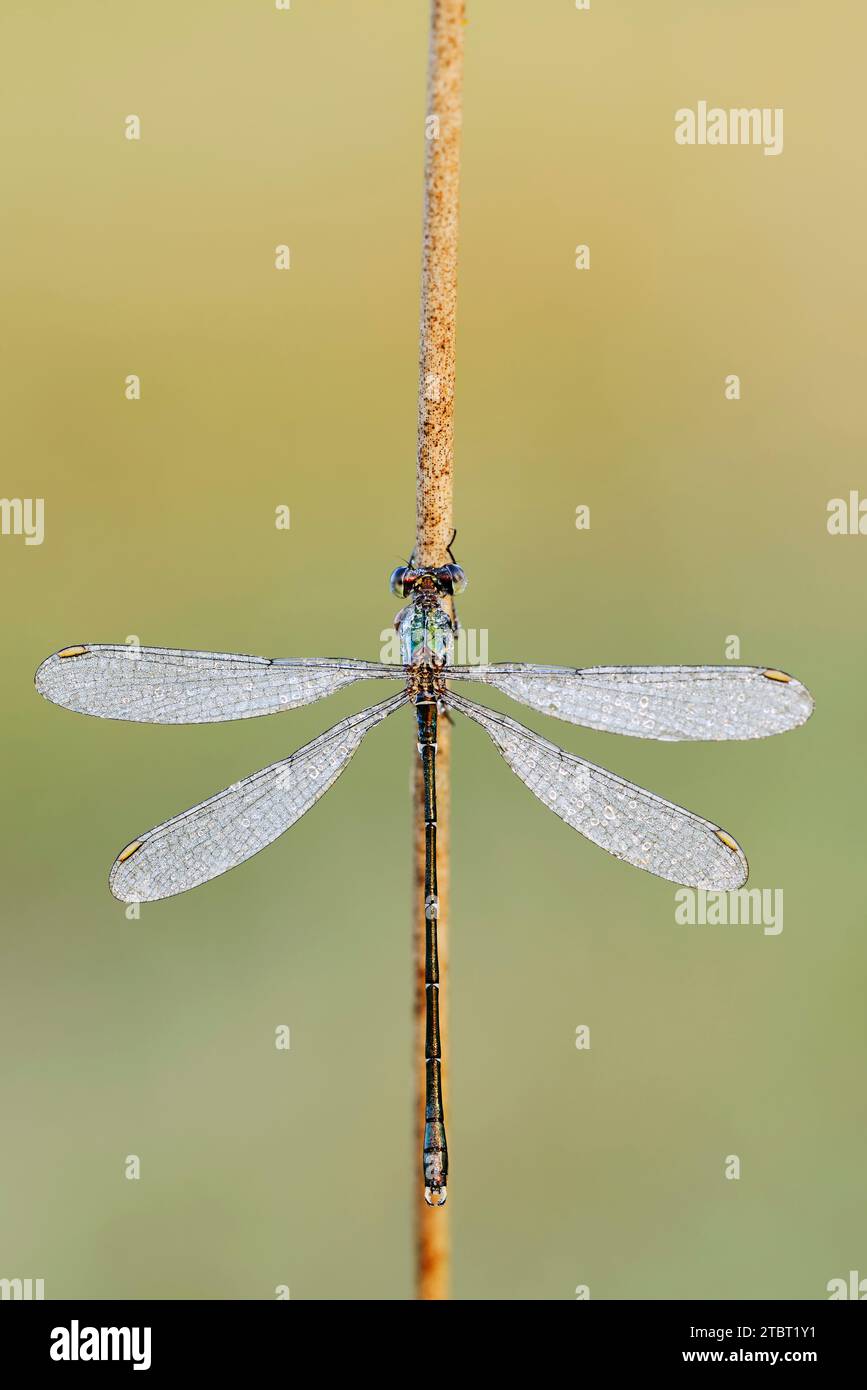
433, 532
439, 284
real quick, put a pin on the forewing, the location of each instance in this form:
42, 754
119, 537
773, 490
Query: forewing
157, 685
626, 821
233, 825
659, 702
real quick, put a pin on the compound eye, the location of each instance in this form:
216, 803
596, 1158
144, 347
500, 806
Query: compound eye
454, 579
397, 581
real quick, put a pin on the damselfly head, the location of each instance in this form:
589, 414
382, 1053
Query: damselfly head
444, 579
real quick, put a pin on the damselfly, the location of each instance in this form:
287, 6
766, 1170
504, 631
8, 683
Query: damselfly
162, 686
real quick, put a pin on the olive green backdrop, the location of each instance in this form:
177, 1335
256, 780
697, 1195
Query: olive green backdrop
708, 519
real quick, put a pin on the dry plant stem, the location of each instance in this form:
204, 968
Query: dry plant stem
432, 1233
433, 533
439, 284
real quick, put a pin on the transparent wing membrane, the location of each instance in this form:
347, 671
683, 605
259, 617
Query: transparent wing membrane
628, 822
236, 823
659, 702
157, 685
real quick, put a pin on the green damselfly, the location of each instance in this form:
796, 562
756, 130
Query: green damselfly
158, 685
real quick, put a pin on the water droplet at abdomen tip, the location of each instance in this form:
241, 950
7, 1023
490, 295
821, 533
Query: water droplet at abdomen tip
431, 1195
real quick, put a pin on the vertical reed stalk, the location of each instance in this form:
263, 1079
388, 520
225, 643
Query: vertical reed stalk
434, 531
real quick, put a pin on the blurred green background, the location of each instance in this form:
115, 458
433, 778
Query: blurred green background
708, 518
